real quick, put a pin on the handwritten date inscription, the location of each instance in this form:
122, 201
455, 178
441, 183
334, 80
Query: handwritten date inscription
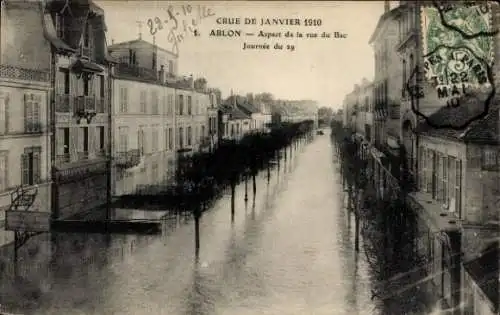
180, 22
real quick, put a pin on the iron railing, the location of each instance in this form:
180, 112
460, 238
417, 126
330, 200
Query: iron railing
128, 158
65, 103
135, 71
12, 72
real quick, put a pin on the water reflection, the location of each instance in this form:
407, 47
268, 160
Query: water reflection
289, 251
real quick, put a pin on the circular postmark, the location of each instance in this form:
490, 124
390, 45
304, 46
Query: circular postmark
457, 44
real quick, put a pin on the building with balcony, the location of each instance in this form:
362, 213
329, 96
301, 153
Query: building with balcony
25, 129
142, 59
386, 83
81, 114
458, 193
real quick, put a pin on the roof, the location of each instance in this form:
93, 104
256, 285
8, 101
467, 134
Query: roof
484, 271
248, 108
483, 130
385, 17
233, 112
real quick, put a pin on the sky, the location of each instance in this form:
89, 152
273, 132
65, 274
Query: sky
321, 69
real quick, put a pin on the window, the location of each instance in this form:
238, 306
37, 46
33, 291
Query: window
62, 145
83, 142
181, 105
458, 187
123, 99
141, 139
489, 158
434, 169
189, 105
180, 138
30, 166
123, 139
452, 177
86, 34
403, 90
170, 139
32, 113
155, 139
154, 103
86, 84
232, 130
143, 102
189, 136
101, 138
3, 171
170, 100
60, 26
65, 82
171, 67
202, 131
3, 113
102, 86
132, 60
444, 180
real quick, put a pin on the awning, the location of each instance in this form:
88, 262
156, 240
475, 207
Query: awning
87, 66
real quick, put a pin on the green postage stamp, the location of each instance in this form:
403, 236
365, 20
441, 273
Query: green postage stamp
457, 47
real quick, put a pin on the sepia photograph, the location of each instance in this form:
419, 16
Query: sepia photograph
249, 157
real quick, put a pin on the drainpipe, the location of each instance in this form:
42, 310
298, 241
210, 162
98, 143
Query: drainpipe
109, 146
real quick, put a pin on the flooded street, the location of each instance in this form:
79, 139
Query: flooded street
289, 252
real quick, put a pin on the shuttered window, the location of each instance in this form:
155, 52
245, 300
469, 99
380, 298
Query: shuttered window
30, 166
3, 112
170, 101
123, 139
170, 139
154, 103
123, 99
3, 171
143, 102
32, 113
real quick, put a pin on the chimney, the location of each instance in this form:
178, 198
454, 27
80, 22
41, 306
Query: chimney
387, 6
161, 74
112, 41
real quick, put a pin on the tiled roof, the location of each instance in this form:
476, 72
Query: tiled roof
234, 113
484, 271
484, 129
248, 108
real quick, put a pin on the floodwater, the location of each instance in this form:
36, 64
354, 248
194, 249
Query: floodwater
291, 251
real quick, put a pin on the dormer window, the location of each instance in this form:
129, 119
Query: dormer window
132, 57
60, 26
86, 35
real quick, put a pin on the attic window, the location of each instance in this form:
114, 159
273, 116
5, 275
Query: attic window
489, 159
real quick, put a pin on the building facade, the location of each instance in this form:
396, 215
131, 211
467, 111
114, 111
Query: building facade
80, 156
25, 124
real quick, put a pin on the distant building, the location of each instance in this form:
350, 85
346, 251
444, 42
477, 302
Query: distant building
238, 122
25, 84
156, 113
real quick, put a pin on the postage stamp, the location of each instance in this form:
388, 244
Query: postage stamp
457, 49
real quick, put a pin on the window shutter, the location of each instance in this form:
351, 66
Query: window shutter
60, 141
36, 167
27, 112
25, 177
80, 139
3, 172
92, 141
36, 112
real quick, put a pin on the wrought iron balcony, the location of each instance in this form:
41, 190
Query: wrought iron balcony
63, 103
128, 159
12, 72
85, 104
62, 159
125, 69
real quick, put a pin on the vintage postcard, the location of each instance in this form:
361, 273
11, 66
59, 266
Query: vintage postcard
249, 157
